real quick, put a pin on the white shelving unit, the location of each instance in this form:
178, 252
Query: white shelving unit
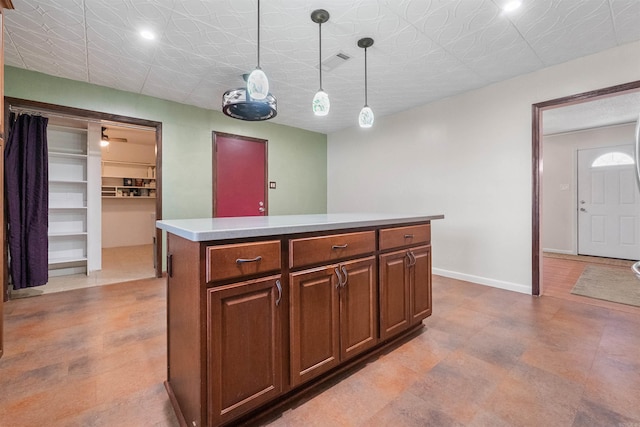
74, 209
68, 224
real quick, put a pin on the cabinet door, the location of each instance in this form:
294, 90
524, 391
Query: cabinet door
420, 283
314, 320
358, 307
245, 347
394, 294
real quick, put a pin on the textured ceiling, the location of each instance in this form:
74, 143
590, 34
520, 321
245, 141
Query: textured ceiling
613, 110
424, 49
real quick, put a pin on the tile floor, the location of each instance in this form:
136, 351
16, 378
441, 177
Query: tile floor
120, 264
487, 357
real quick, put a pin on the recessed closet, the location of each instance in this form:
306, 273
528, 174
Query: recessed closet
103, 187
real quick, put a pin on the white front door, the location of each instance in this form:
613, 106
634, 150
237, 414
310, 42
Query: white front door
608, 203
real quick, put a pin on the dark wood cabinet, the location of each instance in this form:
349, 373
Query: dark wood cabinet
254, 323
420, 284
394, 294
244, 347
405, 278
405, 289
333, 316
358, 307
314, 324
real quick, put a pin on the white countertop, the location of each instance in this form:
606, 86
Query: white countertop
205, 229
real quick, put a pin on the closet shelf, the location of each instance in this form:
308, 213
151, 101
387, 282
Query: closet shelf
67, 155
68, 234
120, 162
69, 260
66, 181
67, 208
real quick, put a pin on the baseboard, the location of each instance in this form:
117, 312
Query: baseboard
559, 251
515, 287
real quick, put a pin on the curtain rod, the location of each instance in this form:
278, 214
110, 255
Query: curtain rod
46, 113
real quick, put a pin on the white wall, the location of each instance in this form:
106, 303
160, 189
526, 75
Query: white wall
128, 221
468, 157
559, 186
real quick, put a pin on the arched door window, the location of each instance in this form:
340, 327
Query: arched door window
613, 158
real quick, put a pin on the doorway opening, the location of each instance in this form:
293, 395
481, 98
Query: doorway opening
537, 164
92, 226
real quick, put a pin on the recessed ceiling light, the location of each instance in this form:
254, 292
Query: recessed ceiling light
146, 34
510, 6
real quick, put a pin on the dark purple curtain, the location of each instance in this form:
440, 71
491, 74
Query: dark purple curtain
27, 196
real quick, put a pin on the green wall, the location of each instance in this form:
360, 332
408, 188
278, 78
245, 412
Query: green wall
297, 158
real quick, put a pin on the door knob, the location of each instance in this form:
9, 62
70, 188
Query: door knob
260, 209
582, 202
583, 210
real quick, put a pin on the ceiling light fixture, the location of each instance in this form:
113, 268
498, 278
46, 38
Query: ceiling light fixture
320, 104
511, 5
146, 34
252, 102
104, 139
366, 117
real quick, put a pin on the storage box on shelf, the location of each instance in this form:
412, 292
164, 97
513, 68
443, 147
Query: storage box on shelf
128, 180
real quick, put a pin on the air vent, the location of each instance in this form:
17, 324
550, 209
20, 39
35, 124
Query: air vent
334, 61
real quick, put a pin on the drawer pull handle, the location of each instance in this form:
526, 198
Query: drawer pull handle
408, 236
243, 260
279, 286
340, 246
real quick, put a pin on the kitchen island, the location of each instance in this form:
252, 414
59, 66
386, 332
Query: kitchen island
261, 310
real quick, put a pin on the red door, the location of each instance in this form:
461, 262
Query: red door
239, 180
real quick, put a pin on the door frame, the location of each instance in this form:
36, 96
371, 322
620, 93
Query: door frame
46, 108
214, 180
536, 165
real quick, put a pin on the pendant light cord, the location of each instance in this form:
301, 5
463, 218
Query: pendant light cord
320, 52
258, 34
366, 103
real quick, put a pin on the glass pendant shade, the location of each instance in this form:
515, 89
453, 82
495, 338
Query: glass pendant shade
321, 104
258, 85
365, 119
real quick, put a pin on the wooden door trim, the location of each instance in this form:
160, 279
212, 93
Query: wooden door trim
45, 108
536, 163
214, 156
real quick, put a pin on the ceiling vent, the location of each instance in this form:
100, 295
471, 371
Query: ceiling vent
334, 61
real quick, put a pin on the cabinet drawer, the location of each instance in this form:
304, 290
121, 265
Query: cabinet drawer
315, 250
244, 259
404, 236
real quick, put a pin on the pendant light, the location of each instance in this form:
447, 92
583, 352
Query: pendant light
320, 104
365, 119
257, 83
253, 102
